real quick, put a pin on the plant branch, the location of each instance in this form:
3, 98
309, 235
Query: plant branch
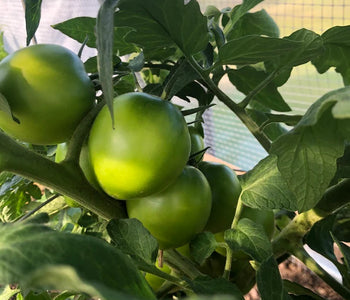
81, 132
303, 256
292, 235
65, 178
244, 103
32, 212
234, 107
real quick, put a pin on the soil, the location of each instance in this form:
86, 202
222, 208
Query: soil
293, 270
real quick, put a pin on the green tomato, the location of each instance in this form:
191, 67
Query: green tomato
197, 143
174, 215
85, 164
48, 91
225, 189
153, 280
145, 152
263, 217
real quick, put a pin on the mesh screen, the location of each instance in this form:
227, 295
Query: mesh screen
227, 137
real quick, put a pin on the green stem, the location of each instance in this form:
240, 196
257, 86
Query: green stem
292, 235
234, 107
181, 263
244, 103
65, 178
239, 209
303, 256
79, 136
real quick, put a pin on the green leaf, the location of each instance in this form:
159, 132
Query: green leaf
180, 75
218, 296
79, 29
248, 78
337, 52
297, 289
205, 285
132, 238
32, 15
311, 46
269, 280
3, 53
162, 24
253, 49
251, 238
320, 240
334, 56
259, 23
202, 246
37, 296
263, 187
104, 41
307, 155
238, 11
37, 257
337, 35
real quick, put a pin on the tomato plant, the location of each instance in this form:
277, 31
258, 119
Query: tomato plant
176, 214
163, 67
48, 92
149, 145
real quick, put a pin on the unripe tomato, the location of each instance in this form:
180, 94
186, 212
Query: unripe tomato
225, 189
146, 151
85, 164
174, 215
197, 143
48, 91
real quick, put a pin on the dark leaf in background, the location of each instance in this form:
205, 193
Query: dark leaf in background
32, 15
247, 78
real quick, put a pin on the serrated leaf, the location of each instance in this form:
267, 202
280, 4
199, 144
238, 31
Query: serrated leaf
247, 78
253, 49
131, 237
104, 42
205, 285
32, 16
251, 238
320, 240
202, 246
264, 187
238, 11
83, 260
269, 280
259, 23
163, 24
307, 154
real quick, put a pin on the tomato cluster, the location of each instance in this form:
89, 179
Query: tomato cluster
141, 156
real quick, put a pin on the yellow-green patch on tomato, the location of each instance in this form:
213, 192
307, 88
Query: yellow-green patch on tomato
145, 152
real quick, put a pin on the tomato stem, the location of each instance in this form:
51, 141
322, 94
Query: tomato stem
234, 107
64, 178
